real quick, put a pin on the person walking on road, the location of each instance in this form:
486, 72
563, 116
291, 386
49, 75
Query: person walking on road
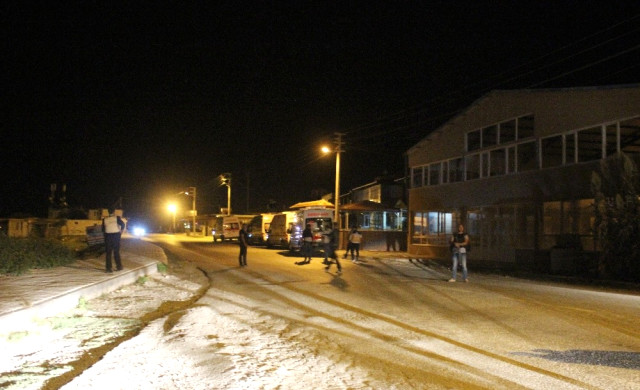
243, 241
355, 237
326, 244
307, 244
112, 228
459, 246
333, 245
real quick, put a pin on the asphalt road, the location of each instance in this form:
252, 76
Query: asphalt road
403, 324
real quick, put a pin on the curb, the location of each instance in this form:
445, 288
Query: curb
22, 319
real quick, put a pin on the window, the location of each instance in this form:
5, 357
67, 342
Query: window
416, 177
484, 163
456, 170
489, 136
366, 220
445, 172
511, 159
570, 148
551, 151
525, 127
508, 131
473, 140
526, 158
611, 139
472, 166
374, 194
590, 144
431, 227
498, 162
630, 136
434, 174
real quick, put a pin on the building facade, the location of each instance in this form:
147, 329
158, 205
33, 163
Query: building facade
515, 168
379, 211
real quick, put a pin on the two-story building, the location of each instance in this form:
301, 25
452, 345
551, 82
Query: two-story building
515, 168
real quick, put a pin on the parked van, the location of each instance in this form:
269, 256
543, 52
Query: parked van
231, 227
286, 228
279, 233
216, 227
257, 229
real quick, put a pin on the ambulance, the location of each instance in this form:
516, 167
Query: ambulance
258, 227
286, 228
231, 227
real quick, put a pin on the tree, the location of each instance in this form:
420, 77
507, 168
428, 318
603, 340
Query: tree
617, 217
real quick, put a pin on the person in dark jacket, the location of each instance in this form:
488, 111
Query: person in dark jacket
307, 244
332, 233
459, 246
112, 228
243, 241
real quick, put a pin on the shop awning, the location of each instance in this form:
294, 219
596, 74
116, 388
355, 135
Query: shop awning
312, 203
366, 205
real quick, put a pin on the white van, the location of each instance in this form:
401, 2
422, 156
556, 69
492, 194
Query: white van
286, 228
258, 228
231, 227
280, 229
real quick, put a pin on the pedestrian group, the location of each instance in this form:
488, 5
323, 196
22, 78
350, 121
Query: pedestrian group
459, 245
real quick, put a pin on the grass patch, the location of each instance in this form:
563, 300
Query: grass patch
162, 268
82, 303
142, 280
18, 255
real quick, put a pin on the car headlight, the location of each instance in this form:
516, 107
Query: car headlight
139, 231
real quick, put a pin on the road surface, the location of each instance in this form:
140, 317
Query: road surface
395, 323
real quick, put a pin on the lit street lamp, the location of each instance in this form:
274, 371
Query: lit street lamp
225, 180
336, 197
172, 209
192, 192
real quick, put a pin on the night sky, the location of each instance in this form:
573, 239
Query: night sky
131, 104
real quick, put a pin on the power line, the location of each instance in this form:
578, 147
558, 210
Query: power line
451, 98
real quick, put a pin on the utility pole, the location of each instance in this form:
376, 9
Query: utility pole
225, 180
339, 143
192, 191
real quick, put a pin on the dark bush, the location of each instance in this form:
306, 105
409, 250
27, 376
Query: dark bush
18, 255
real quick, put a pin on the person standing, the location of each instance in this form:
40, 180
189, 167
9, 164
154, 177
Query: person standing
459, 245
243, 241
331, 248
355, 238
346, 252
307, 244
112, 228
326, 244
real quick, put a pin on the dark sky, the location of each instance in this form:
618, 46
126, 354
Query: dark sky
123, 101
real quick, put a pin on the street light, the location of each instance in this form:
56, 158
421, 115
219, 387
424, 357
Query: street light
172, 209
336, 198
192, 192
225, 180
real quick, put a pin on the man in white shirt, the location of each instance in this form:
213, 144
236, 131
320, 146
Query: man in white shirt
112, 227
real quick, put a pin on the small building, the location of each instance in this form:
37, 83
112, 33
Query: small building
379, 211
515, 168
